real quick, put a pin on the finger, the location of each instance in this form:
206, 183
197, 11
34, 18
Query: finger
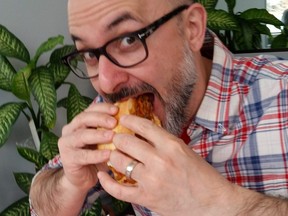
121, 161
83, 137
107, 108
121, 192
83, 157
147, 129
134, 147
89, 119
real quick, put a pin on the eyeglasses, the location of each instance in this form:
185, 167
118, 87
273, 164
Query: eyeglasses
125, 51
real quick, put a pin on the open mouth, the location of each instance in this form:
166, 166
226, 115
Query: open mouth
150, 97
146, 101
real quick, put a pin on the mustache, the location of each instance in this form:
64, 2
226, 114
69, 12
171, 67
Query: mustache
127, 92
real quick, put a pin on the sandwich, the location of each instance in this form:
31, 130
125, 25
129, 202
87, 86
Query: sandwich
140, 106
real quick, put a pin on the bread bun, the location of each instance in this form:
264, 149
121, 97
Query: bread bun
140, 106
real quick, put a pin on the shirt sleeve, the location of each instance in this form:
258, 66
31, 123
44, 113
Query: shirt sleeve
56, 163
92, 195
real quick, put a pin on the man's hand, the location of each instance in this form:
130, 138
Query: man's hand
63, 191
171, 178
77, 145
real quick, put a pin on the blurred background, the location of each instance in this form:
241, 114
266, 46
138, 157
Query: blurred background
33, 22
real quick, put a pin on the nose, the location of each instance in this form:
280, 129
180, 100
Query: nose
110, 76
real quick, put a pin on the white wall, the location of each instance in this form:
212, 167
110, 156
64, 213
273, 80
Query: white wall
243, 5
33, 21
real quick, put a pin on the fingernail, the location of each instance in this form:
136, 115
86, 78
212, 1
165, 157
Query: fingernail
111, 121
114, 109
108, 134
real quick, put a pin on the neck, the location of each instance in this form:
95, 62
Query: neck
203, 68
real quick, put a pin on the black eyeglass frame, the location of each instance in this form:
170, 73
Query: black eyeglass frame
142, 34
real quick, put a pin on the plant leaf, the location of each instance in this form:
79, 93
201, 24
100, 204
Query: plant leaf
63, 101
33, 156
24, 181
7, 73
221, 20
231, 5
57, 54
11, 46
48, 45
20, 86
261, 16
75, 103
280, 41
60, 73
243, 38
42, 86
49, 147
9, 113
119, 206
95, 210
208, 4
262, 29
18, 208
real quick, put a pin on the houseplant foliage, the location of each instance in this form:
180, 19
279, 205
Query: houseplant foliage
281, 40
35, 87
241, 30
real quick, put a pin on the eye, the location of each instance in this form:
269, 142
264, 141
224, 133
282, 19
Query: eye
128, 41
90, 58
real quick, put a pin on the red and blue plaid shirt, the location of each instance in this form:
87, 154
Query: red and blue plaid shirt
241, 127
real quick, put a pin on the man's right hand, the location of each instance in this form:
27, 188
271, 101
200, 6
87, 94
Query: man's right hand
77, 146
63, 191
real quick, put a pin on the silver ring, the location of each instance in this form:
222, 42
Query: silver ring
129, 169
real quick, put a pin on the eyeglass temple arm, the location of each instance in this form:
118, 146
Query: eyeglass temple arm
155, 25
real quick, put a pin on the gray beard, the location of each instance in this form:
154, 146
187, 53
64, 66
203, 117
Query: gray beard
180, 92
178, 95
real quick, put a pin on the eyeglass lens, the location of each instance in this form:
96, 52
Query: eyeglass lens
124, 51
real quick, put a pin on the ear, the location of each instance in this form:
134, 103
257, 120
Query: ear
195, 26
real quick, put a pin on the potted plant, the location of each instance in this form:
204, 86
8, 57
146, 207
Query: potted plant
35, 86
239, 31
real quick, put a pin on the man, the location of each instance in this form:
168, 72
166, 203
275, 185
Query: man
223, 148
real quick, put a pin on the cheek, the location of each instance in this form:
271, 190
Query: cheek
156, 76
163, 73
163, 66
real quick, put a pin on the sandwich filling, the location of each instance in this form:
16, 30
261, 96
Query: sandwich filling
141, 106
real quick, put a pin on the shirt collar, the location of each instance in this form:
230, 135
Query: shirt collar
213, 112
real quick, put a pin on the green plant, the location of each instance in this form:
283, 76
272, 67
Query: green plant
281, 41
35, 87
242, 30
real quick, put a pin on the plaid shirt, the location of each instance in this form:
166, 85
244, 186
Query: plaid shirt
241, 127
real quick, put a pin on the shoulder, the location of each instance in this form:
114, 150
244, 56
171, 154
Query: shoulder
249, 69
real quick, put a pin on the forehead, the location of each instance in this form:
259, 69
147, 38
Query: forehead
93, 22
82, 11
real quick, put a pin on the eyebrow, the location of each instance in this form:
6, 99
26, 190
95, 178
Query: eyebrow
120, 19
